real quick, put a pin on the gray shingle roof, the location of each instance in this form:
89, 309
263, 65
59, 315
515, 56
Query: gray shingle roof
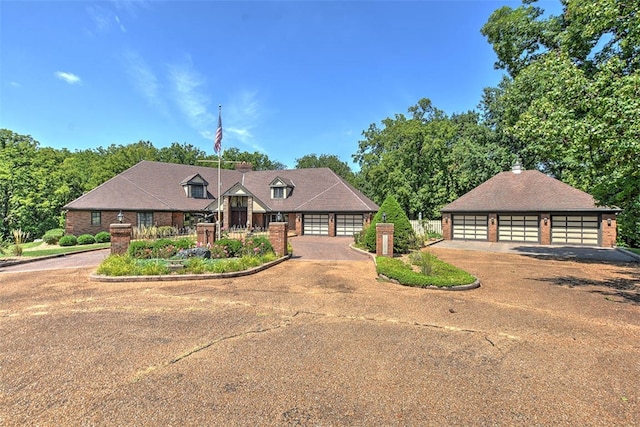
528, 191
157, 186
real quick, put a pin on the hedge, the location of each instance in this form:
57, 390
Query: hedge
442, 274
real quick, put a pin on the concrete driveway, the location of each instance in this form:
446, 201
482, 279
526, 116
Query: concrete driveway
584, 253
543, 342
318, 248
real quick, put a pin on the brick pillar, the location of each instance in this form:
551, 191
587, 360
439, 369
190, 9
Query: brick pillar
332, 225
249, 212
384, 239
446, 226
493, 227
120, 238
278, 237
206, 233
608, 226
545, 228
226, 215
298, 228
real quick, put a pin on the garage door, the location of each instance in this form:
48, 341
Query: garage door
575, 229
470, 227
348, 225
518, 228
316, 224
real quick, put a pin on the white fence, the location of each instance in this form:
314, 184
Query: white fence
423, 227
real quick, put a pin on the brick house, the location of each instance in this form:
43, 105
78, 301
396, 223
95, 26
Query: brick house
530, 207
312, 201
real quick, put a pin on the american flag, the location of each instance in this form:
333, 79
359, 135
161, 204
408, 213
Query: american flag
218, 142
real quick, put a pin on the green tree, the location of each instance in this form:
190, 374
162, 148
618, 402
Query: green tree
403, 234
570, 107
330, 161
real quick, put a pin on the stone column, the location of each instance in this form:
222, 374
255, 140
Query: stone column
120, 238
278, 237
206, 233
249, 212
384, 239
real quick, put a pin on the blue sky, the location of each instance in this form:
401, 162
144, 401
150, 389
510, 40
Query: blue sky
293, 77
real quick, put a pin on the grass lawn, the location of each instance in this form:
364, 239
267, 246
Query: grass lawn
634, 250
36, 249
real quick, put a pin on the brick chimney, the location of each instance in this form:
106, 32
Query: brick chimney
244, 167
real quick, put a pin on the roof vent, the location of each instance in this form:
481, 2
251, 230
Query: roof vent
517, 167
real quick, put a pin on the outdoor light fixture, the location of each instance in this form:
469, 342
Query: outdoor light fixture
545, 219
609, 222
493, 221
446, 219
120, 217
384, 217
279, 217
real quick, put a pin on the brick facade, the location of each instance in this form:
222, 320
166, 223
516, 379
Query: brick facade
205, 234
278, 237
120, 238
545, 228
447, 228
384, 239
608, 228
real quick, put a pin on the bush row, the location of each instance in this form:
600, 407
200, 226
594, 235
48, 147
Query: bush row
125, 265
56, 236
223, 248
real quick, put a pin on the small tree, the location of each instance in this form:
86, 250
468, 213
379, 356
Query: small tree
403, 234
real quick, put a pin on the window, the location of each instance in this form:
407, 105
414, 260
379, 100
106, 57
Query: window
96, 218
145, 219
197, 191
278, 193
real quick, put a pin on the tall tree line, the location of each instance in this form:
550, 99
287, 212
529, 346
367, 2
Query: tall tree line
568, 105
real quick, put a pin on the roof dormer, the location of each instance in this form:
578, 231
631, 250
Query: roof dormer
281, 188
195, 186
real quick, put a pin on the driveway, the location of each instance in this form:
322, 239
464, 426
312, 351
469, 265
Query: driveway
541, 342
560, 252
306, 248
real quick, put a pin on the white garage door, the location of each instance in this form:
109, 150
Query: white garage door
348, 225
470, 227
518, 228
575, 229
316, 224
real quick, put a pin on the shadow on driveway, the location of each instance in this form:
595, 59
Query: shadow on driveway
572, 253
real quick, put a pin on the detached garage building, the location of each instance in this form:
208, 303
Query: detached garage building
529, 207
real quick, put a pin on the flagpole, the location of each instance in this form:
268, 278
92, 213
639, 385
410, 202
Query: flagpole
218, 148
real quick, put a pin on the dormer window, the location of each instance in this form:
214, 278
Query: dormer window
195, 187
281, 188
197, 191
278, 193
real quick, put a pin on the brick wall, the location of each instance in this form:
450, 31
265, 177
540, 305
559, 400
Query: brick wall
79, 222
545, 228
493, 227
120, 238
278, 237
447, 226
609, 226
384, 239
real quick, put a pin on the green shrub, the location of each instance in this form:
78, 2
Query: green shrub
151, 267
195, 265
68, 240
233, 247
103, 237
166, 231
117, 265
403, 233
257, 246
161, 248
51, 237
442, 274
86, 239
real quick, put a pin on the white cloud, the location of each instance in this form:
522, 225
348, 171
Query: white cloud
144, 80
122, 28
189, 93
70, 78
15, 84
244, 114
